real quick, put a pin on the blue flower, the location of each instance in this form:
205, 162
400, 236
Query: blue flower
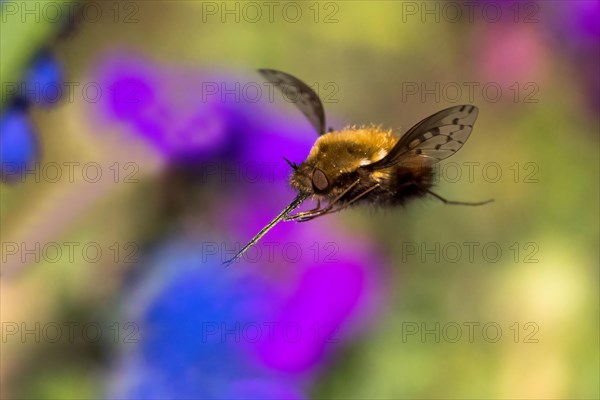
18, 144
19, 149
193, 330
43, 81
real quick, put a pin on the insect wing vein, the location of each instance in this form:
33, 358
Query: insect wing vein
300, 94
436, 137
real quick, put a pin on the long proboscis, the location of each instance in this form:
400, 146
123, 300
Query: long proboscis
293, 205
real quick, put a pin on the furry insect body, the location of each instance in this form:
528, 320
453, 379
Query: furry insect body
344, 157
366, 165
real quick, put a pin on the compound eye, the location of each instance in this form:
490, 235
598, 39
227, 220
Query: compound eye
319, 180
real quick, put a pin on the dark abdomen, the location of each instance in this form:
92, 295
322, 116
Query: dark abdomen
405, 184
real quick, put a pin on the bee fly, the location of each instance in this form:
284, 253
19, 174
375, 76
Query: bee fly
360, 165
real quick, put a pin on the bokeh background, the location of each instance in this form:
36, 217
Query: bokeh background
139, 146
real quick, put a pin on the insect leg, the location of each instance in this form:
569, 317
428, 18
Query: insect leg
292, 217
328, 210
459, 203
329, 206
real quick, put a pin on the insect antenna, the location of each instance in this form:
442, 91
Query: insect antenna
293, 205
291, 164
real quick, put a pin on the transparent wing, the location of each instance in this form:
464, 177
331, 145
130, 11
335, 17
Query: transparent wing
434, 138
300, 94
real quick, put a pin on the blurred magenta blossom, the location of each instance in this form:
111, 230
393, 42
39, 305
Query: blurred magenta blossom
183, 113
514, 53
210, 332
264, 327
510, 54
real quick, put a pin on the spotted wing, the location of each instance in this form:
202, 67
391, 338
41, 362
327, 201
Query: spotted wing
300, 94
433, 139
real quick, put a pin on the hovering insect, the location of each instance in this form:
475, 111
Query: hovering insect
366, 165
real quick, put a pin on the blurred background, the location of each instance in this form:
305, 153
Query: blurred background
140, 149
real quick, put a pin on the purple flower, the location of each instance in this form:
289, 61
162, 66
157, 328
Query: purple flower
580, 20
166, 108
252, 389
215, 332
313, 317
575, 27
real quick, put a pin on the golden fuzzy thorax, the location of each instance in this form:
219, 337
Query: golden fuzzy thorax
344, 151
